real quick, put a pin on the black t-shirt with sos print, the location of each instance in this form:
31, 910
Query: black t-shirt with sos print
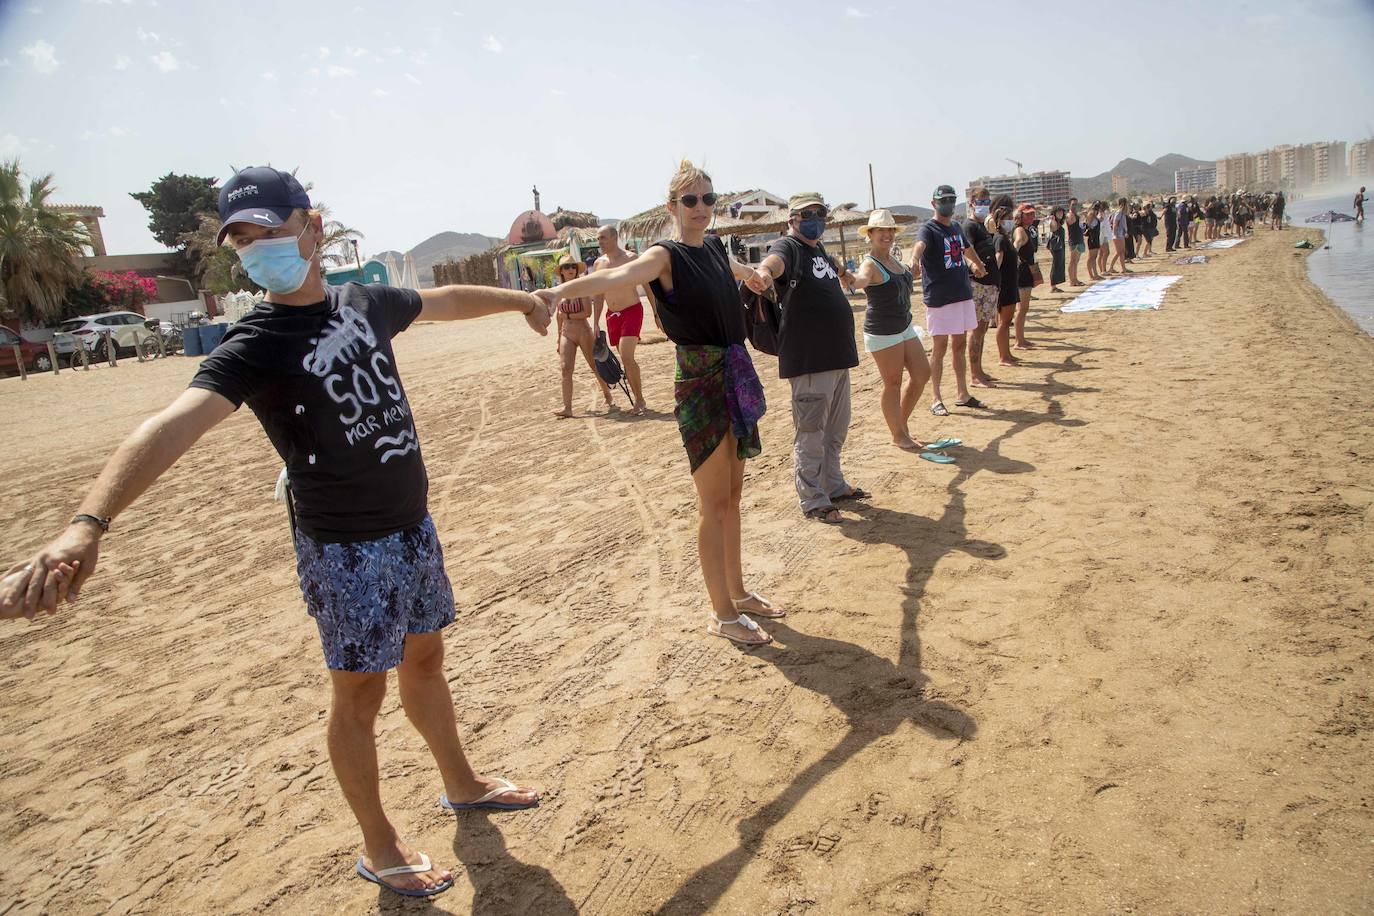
944, 274
322, 381
817, 331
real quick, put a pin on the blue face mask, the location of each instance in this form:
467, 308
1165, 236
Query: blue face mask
276, 264
981, 208
812, 228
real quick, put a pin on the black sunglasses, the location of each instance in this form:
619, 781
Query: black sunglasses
690, 200
813, 214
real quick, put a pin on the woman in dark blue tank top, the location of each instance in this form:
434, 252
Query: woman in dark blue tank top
719, 396
889, 335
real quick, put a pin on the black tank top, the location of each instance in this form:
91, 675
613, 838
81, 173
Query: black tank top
889, 302
1076, 231
1008, 269
1025, 257
704, 308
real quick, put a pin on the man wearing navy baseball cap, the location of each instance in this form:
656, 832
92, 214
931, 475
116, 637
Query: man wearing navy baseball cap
315, 364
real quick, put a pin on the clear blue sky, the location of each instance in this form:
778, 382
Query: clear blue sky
415, 117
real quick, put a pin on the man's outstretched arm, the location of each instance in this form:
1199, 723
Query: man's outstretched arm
136, 464
455, 303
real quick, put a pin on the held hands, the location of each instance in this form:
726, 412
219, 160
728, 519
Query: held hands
53, 575
979, 270
540, 315
759, 282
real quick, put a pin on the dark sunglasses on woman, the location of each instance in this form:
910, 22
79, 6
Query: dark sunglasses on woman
690, 200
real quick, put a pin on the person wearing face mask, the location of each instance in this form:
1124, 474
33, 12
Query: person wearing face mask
1076, 244
816, 350
941, 259
1092, 235
987, 288
316, 366
1000, 223
1055, 242
1170, 225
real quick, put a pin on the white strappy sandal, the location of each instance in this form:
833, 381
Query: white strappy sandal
766, 609
379, 878
714, 628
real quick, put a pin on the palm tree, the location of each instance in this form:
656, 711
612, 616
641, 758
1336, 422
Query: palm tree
39, 247
337, 247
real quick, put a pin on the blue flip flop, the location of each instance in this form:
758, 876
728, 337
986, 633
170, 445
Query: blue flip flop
944, 443
937, 457
486, 801
424, 866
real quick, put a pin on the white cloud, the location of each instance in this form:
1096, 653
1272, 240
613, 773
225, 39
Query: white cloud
10, 146
35, 10
119, 132
109, 133
414, 79
313, 72
165, 61
457, 12
355, 52
493, 44
5, 62
335, 115
335, 71
148, 38
122, 62
1264, 20
380, 93
225, 102
43, 55
393, 50
854, 12
324, 53
558, 92
419, 58
268, 76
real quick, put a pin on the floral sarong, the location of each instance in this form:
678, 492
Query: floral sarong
717, 390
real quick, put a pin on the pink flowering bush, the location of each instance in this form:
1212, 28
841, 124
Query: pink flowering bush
105, 291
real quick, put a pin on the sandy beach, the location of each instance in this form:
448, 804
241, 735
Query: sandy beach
1115, 660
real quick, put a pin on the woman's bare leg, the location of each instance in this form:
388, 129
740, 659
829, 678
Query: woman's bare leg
939, 345
718, 534
1004, 321
890, 362
1022, 310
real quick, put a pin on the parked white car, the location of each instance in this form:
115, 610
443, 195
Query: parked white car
128, 330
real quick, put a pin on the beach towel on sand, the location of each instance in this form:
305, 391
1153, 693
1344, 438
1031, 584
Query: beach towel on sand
1122, 294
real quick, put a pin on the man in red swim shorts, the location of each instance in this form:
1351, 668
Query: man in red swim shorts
624, 313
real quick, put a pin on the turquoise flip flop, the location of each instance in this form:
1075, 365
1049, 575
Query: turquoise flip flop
944, 443
937, 457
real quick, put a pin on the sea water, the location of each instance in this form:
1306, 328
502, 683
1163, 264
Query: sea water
1343, 270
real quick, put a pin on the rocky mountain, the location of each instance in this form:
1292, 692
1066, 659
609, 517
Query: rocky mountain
922, 213
1144, 176
441, 247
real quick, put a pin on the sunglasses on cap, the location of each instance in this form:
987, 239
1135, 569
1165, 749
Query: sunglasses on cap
690, 200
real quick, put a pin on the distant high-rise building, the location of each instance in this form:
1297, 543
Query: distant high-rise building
1190, 181
1265, 166
1121, 184
1235, 171
1050, 188
1328, 162
1358, 165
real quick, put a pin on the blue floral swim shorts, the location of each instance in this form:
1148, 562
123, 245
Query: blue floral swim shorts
366, 596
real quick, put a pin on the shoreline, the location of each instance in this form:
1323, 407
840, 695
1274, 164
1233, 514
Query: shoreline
1114, 659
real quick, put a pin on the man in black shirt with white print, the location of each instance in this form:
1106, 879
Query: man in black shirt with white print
816, 350
315, 365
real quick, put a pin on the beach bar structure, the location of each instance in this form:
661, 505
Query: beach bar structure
1051, 189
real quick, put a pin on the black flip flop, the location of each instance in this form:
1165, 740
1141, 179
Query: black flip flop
971, 402
822, 513
856, 493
